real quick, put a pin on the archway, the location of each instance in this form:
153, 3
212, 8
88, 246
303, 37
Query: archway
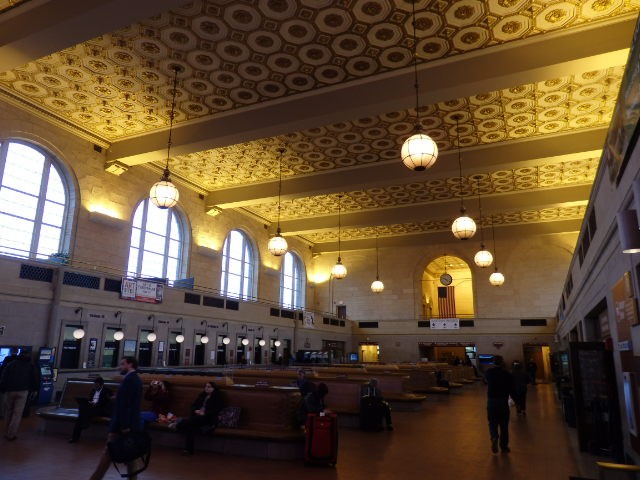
448, 301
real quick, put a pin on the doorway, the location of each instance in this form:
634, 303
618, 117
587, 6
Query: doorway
369, 352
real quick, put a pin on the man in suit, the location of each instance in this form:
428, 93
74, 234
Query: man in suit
98, 404
126, 411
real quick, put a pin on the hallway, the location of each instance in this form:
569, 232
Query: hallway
448, 440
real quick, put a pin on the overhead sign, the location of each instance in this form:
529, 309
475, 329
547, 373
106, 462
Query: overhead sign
445, 323
141, 290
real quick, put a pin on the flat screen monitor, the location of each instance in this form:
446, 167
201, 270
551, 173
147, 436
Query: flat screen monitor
4, 352
353, 357
45, 371
46, 354
485, 359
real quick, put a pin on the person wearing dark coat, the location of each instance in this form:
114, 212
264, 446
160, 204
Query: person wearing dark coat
313, 402
18, 381
520, 380
303, 383
371, 396
204, 416
126, 412
500, 387
97, 404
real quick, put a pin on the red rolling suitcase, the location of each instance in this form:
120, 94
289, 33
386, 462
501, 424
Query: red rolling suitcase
321, 442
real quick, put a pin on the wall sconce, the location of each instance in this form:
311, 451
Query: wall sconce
180, 336
628, 231
204, 339
79, 332
151, 336
118, 334
226, 340
245, 340
261, 342
277, 343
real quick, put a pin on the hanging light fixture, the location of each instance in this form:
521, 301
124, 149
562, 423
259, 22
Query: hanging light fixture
164, 194
462, 227
377, 286
204, 339
339, 271
151, 336
277, 343
226, 340
277, 244
118, 334
483, 257
496, 279
419, 151
180, 336
79, 332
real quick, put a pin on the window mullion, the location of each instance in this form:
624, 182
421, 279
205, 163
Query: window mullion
42, 195
143, 231
167, 236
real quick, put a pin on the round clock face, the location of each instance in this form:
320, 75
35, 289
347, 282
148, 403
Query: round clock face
446, 279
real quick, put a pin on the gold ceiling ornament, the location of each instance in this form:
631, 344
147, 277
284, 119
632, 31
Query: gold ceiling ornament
377, 286
339, 271
483, 257
496, 278
419, 151
164, 194
462, 227
277, 244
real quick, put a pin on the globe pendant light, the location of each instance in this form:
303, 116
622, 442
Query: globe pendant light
79, 332
180, 336
151, 336
118, 334
277, 244
339, 271
462, 227
377, 286
496, 278
164, 193
483, 257
419, 151
204, 339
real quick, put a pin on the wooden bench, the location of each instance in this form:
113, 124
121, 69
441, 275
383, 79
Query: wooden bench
267, 426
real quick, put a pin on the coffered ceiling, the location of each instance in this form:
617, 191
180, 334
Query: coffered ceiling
524, 88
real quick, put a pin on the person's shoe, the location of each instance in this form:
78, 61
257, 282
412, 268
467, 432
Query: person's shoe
505, 450
494, 445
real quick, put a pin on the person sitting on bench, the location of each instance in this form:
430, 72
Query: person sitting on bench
97, 404
373, 407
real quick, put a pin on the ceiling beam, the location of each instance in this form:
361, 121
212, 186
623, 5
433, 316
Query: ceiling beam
539, 58
436, 211
36, 29
505, 231
512, 154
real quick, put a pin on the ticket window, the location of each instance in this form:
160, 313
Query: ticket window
174, 349
71, 346
145, 348
221, 350
199, 350
111, 348
241, 351
273, 351
257, 351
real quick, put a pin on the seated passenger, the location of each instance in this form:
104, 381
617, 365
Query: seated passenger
97, 404
373, 407
313, 402
204, 416
304, 385
159, 395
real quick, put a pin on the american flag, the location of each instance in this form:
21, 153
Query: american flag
446, 302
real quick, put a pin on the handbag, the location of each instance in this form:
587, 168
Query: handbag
129, 447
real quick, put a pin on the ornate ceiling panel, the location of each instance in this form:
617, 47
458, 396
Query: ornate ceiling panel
505, 218
581, 172
236, 54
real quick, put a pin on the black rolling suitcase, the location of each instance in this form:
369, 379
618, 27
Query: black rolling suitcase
321, 442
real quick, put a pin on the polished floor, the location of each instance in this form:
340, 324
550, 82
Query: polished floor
448, 440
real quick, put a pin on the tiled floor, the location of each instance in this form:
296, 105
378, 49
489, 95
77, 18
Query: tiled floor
448, 440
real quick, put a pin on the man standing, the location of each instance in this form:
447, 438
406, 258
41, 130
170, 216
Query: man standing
126, 411
499, 387
19, 378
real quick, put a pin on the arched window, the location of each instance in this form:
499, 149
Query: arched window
237, 266
36, 207
157, 242
292, 282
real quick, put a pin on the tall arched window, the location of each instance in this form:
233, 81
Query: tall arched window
292, 282
36, 207
157, 242
237, 266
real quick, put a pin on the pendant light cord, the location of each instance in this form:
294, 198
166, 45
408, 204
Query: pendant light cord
377, 263
172, 116
462, 209
493, 234
480, 212
339, 225
281, 152
415, 64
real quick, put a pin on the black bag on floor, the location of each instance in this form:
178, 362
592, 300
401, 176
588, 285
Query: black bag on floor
130, 447
370, 414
